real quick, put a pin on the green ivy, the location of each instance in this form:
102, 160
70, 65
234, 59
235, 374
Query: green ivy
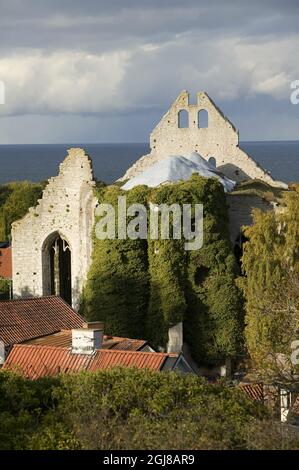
118, 281
15, 200
4, 289
140, 288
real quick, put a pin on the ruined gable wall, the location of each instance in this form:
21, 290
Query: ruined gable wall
67, 208
168, 139
219, 140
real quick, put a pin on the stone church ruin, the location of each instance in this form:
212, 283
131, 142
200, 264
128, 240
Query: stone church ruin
52, 244
204, 129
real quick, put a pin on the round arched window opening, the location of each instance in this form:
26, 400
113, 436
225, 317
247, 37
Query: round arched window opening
212, 161
183, 119
203, 119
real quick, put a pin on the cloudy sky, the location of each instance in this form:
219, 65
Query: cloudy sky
105, 71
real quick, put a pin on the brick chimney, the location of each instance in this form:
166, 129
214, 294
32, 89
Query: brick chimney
87, 339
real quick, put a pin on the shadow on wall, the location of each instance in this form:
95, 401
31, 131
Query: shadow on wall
120, 301
233, 172
240, 207
76, 295
25, 293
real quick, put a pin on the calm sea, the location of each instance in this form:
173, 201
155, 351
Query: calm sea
39, 162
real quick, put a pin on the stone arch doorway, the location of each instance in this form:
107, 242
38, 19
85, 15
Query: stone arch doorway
57, 267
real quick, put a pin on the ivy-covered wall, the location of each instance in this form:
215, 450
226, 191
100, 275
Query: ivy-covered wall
118, 282
15, 200
4, 289
140, 288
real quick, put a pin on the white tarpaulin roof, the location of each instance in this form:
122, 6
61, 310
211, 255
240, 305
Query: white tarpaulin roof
178, 167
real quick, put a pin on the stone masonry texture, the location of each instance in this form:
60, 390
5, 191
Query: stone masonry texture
219, 140
66, 209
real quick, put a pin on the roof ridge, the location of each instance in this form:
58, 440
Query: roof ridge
26, 299
122, 338
110, 351
41, 298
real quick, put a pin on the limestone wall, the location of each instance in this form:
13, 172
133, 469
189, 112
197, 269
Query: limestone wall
240, 208
66, 208
219, 140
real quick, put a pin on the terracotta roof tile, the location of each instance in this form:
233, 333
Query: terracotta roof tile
36, 361
24, 319
64, 339
255, 391
61, 339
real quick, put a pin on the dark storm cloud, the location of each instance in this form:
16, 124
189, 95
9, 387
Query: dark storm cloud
103, 25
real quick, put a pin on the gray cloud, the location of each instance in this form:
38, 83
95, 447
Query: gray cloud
97, 25
124, 61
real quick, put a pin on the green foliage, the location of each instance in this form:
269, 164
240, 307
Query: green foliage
260, 189
213, 321
271, 285
167, 304
15, 200
125, 409
4, 289
140, 288
21, 404
117, 287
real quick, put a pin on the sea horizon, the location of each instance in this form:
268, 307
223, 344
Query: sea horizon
131, 142
38, 162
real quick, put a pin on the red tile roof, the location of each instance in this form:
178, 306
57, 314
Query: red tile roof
35, 361
6, 263
64, 339
125, 344
24, 319
255, 391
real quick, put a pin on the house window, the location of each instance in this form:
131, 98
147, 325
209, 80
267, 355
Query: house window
183, 119
203, 119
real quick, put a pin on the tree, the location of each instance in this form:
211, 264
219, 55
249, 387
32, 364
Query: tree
125, 409
4, 289
271, 286
15, 200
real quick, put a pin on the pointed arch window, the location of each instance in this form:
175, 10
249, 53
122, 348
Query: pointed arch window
57, 275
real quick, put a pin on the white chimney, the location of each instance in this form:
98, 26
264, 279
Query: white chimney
175, 338
285, 399
2, 353
226, 369
87, 339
